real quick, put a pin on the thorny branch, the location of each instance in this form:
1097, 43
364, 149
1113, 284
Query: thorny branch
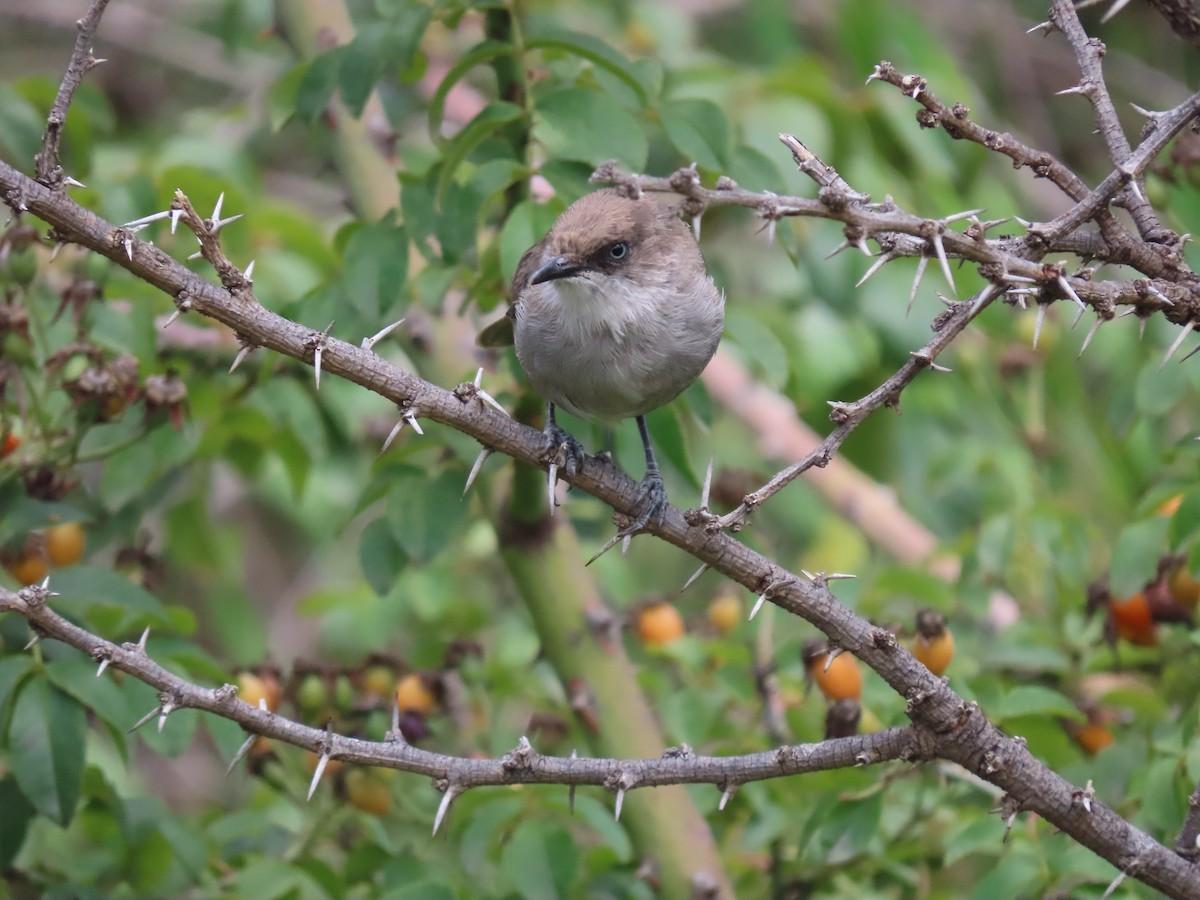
49, 168
944, 726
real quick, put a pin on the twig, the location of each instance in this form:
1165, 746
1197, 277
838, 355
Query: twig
49, 168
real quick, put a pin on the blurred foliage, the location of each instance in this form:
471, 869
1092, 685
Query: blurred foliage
254, 525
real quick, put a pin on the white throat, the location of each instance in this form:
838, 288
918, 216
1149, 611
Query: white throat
592, 303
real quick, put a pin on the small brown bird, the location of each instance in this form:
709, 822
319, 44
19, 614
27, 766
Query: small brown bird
614, 315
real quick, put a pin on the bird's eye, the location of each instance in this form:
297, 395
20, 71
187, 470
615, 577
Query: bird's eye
619, 250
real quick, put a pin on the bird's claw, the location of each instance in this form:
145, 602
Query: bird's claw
652, 501
568, 452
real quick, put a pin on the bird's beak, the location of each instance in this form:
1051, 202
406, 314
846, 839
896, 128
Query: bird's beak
558, 267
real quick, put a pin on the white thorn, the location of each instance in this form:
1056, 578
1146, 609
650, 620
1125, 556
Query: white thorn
103, 665
175, 216
912, 295
692, 580
1070, 291
1041, 320
620, 803
883, 260
216, 214
1113, 10
387, 442
317, 365
838, 249
962, 215
57, 249
167, 709
31, 642
412, 420
241, 752
71, 182
1159, 295
241, 354
1091, 334
1074, 89
861, 245
146, 220
141, 644
705, 491
1038, 27
199, 254
171, 319
447, 798
1116, 883
625, 542
551, 484
490, 400
479, 460
726, 796
940, 250
368, 343
1183, 333
841, 576
129, 248
771, 230
249, 273
322, 762
218, 225
762, 598
144, 719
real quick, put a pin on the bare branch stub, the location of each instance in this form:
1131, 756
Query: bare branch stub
47, 163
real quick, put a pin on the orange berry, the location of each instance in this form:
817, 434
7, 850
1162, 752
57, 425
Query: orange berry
11, 442
839, 678
1184, 587
412, 693
379, 681
368, 793
1168, 506
253, 687
65, 543
659, 624
1092, 738
934, 644
1133, 620
725, 611
29, 565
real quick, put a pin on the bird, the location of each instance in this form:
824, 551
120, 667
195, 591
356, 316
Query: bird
613, 315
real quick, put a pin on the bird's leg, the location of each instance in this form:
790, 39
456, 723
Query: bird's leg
652, 492
569, 452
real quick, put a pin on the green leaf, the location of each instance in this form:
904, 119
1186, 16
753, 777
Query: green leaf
77, 677
979, 835
533, 858
1135, 555
667, 436
381, 556
46, 749
317, 86
1032, 699
375, 266
376, 49
485, 829
491, 119
587, 125
18, 812
1185, 523
107, 599
595, 51
480, 53
427, 514
699, 130
12, 670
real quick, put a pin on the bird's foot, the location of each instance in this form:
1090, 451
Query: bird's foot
568, 455
568, 452
652, 503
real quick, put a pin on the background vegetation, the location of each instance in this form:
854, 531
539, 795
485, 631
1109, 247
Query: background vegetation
256, 526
